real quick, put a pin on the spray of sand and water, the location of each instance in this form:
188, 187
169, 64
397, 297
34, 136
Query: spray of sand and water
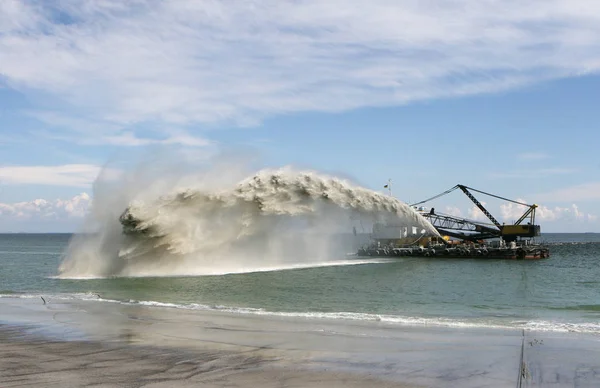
222, 220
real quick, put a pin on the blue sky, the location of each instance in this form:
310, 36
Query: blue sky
498, 95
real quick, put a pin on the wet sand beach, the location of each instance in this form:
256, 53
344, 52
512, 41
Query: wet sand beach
86, 343
33, 361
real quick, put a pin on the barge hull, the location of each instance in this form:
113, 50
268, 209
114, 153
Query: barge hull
533, 253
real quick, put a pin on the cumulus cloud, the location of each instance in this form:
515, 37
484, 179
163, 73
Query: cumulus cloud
474, 213
76, 175
182, 62
511, 212
453, 211
569, 213
43, 210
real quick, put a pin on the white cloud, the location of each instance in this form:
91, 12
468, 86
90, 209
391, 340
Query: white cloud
541, 172
533, 156
568, 213
43, 210
511, 212
454, 211
76, 175
101, 132
474, 213
129, 139
583, 192
184, 62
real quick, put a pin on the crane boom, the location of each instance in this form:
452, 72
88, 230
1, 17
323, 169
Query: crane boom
479, 205
471, 230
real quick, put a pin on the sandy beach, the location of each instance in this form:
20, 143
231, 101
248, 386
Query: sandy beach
33, 361
89, 343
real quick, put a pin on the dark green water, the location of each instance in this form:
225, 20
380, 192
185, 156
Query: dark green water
560, 293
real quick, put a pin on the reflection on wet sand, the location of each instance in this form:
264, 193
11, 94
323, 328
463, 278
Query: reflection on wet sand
81, 343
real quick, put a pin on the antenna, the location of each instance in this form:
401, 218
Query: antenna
389, 187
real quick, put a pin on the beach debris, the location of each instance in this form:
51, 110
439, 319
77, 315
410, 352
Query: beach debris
524, 372
536, 342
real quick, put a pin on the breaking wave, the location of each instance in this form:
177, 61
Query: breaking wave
212, 224
411, 321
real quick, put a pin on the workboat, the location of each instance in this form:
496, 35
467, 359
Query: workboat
461, 237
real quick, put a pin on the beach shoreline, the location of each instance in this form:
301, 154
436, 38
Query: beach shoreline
27, 360
80, 343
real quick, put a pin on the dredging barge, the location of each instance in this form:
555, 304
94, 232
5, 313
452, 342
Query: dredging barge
461, 237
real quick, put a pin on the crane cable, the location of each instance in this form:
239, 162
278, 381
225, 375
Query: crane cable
437, 196
497, 196
470, 188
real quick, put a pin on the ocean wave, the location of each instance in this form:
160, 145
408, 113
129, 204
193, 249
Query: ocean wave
62, 296
563, 327
408, 321
9, 292
579, 307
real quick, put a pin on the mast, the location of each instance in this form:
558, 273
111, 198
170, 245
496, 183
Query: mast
389, 187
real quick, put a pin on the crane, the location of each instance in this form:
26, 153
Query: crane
472, 230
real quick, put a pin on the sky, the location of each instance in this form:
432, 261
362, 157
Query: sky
498, 95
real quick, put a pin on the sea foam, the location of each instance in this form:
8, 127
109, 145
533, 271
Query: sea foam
556, 326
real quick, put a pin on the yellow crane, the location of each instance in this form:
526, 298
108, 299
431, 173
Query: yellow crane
472, 230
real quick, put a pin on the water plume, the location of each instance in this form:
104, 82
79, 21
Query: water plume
214, 222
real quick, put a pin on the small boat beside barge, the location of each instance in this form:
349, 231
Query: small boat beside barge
461, 238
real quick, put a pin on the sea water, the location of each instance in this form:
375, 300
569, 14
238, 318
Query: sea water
561, 293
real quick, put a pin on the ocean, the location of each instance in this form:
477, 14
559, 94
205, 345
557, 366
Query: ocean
558, 294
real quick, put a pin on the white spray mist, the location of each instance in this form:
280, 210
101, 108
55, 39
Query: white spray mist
158, 221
